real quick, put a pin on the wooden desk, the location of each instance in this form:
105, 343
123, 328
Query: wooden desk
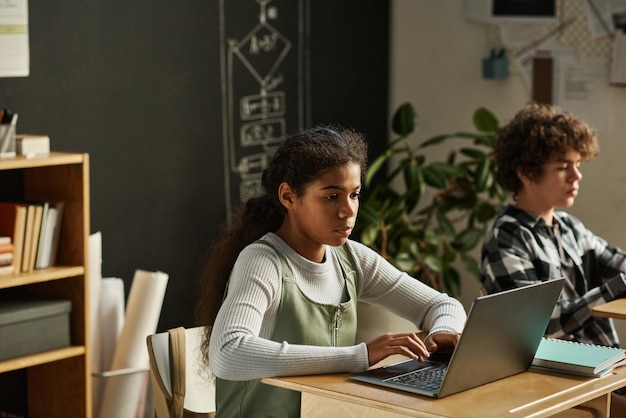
614, 309
528, 394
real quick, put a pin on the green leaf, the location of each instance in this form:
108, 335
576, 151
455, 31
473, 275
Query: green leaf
404, 262
448, 254
435, 140
404, 120
376, 165
412, 172
482, 175
467, 135
396, 212
434, 177
414, 195
473, 153
468, 239
452, 282
485, 120
369, 236
485, 211
368, 215
445, 225
414, 181
448, 170
486, 140
498, 192
433, 262
451, 157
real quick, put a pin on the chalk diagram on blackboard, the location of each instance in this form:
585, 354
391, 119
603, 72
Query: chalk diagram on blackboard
264, 82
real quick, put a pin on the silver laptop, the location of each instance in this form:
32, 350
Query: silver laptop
500, 338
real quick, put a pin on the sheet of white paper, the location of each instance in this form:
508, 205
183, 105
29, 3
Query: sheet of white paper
121, 399
95, 275
111, 323
581, 87
112, 299
14, 50
94, 270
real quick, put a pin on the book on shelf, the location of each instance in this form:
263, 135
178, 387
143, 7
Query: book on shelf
49, 235
9, 269
5, 239
6, 259
13, 223
577, 358
54, 248
34, 244
35, 228
28, 237
42, 235
6, 248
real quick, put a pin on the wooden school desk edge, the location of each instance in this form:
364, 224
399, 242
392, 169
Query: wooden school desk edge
528, 394
615, 309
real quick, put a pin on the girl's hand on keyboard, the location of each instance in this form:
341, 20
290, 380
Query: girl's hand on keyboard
408, 344
442, 341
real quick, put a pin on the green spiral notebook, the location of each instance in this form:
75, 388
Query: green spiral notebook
577, 358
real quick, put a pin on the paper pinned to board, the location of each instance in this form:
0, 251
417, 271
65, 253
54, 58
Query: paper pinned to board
581, 88
14, 48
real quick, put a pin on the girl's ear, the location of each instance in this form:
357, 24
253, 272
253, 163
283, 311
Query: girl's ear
286, 195
523, 177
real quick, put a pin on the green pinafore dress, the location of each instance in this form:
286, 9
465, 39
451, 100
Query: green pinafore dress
299, 321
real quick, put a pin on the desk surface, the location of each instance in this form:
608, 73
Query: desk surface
614, 309
528, 394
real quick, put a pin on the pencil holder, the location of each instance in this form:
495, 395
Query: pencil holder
7, 140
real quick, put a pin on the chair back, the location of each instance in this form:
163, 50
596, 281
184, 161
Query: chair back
183, 387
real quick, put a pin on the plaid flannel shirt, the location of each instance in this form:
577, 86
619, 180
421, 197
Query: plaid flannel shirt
519, 250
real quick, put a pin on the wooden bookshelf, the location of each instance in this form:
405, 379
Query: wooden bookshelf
58, 382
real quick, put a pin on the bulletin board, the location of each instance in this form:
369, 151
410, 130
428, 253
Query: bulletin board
570, 28
570, 60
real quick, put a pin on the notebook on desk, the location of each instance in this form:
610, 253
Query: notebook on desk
500, 338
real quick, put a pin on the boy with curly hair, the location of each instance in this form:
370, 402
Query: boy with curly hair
539, 155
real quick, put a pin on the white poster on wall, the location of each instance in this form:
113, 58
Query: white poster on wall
14, 48
581, 88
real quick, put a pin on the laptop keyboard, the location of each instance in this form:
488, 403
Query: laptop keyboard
428, 378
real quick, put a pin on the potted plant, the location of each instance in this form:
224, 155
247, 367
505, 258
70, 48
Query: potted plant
425, 217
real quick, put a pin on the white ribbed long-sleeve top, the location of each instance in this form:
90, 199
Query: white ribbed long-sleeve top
240, 348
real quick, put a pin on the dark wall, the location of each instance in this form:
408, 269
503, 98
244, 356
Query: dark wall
137, 86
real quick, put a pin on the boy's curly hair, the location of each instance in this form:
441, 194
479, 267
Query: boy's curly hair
538, 134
